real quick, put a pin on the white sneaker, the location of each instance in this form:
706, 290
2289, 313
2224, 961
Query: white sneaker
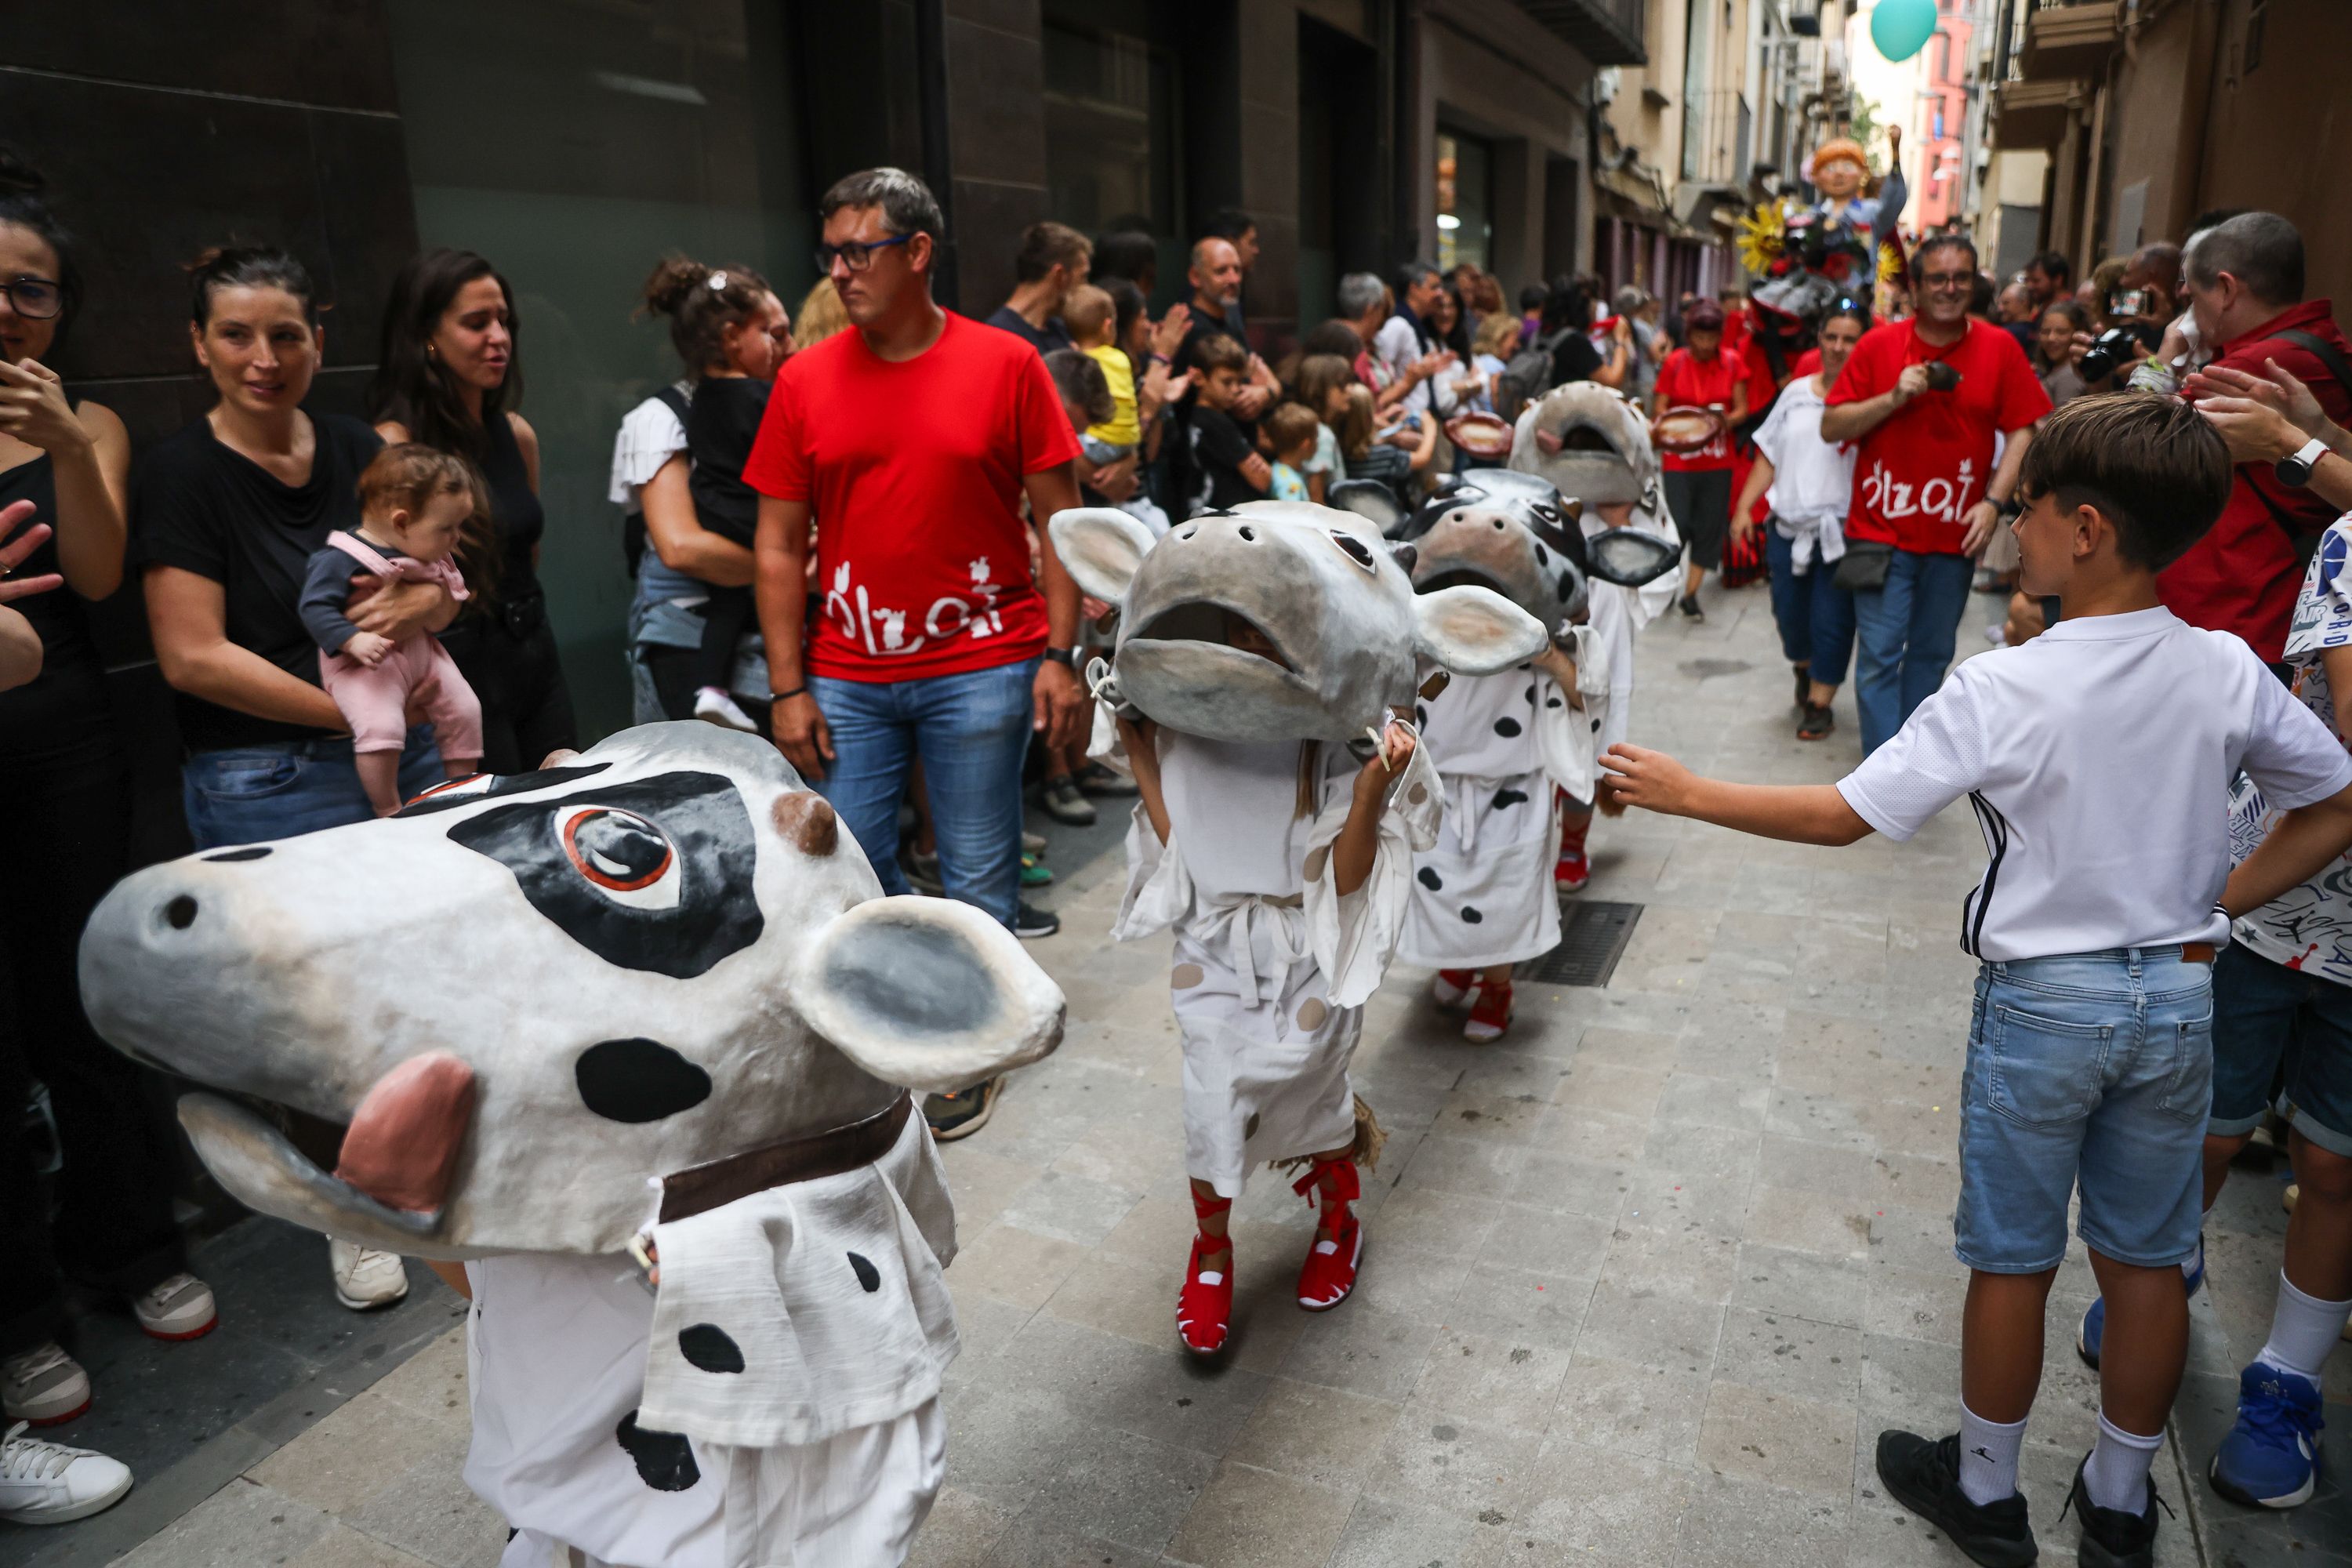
48, 1483
716, 706
181, 1307
43, 1386
364, 1278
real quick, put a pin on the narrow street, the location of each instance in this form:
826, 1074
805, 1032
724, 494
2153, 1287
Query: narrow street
1642, 1282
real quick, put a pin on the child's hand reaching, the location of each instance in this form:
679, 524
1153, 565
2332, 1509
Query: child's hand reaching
368, 648
1635, 775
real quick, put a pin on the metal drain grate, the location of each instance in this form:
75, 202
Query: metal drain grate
1592, 938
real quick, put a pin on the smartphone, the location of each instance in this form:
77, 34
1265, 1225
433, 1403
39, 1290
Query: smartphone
2122, 302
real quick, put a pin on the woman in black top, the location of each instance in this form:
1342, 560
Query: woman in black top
65, 787
1568, 317
448, 376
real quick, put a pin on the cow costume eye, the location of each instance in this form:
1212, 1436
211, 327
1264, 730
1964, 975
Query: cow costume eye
621, 854
1355, 550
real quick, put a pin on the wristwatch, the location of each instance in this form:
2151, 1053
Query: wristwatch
1066, 658
2297, 470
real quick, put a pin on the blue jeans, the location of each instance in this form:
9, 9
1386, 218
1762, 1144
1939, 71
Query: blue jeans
2280, 1018
1905, 632
2093, 1069
1815, 615
283, 789
970, 732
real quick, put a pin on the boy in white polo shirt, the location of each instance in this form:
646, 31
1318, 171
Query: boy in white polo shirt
2098, 758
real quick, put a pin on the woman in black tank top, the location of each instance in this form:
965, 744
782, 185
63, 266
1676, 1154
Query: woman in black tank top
64, 788
448, 376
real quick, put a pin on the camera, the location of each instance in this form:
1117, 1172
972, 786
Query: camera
2114, 348
1942, 376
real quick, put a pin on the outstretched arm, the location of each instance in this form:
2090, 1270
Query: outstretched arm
1803, 814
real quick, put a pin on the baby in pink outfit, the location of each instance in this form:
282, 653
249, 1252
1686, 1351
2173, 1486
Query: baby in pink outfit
413, 503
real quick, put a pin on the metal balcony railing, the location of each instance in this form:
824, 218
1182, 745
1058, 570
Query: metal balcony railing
1606, 32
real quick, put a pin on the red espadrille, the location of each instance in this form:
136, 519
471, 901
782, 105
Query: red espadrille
1328, 1276
1204, 1307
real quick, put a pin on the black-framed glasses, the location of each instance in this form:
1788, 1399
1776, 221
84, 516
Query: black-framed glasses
855, 256
34, 299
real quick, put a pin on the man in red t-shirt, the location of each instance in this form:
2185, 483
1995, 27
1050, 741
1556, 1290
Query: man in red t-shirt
1923, 480
911, 439
1706, 374
2245, 293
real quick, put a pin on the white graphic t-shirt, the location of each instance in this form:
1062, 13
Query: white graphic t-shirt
2310, 927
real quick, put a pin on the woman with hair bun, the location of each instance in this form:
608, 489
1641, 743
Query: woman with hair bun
65, 784
448, 375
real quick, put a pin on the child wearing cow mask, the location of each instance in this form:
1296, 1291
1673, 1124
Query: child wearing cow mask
415, 504
1229, 848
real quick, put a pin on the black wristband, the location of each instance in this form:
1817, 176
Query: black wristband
1066, 658
781, 696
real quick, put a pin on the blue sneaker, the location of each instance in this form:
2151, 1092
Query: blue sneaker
2095, 1320
2271, 1458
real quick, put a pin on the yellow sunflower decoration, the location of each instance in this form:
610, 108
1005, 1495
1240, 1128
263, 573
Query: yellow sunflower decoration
1890, 266
1761, 237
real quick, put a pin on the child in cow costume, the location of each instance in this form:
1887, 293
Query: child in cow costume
632, 1037
1263, 659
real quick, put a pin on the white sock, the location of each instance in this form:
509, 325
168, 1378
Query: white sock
1988, 1457
2302, 1331
2196, 1260
2116, 1475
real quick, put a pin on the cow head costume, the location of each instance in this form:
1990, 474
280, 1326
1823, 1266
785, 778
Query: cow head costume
1333, 597
529, 994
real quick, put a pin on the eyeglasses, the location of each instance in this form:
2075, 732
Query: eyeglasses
34, 299
1947, 280
857, 257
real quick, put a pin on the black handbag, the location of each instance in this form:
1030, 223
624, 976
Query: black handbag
1863, 568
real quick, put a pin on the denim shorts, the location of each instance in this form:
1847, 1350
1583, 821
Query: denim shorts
2089, 1069
2280, 1018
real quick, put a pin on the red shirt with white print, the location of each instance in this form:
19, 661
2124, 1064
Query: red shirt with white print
1916, 475
914, 470
1687, 381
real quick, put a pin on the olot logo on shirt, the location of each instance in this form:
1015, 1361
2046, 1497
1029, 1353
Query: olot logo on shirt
1941, 500
881, 631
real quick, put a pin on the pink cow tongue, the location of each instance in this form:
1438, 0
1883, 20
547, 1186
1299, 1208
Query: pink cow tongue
402, 1144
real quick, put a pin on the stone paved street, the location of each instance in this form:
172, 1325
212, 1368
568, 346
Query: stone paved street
1642, 1282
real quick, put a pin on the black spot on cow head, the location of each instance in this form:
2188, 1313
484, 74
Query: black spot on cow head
1567, 585
708, 1347
665, 1460
869, 1276
1504, 798
1428, 878
251, 852
1543, 556
1470, 915
1506, 728
652, 875
638, 1081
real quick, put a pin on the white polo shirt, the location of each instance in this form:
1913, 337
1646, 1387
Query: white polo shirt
2099, 758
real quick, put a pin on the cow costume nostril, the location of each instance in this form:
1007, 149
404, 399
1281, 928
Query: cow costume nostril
181, 912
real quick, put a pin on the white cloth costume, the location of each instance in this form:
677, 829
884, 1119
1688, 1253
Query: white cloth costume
1272, 966
1618, 613
819, 1308
1484, 893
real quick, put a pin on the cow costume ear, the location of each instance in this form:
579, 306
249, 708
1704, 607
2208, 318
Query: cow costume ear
1629, 557
1370, 498
1474, 631
928, 993
1100, 548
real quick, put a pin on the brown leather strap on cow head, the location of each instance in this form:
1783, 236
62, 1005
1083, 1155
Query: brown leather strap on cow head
701, 1188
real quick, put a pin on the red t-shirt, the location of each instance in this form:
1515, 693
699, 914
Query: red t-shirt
2244, 574
1917, 474
1686, 380
914, 472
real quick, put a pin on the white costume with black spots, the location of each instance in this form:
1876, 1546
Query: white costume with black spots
1484, 894
809, 1322
1272, 966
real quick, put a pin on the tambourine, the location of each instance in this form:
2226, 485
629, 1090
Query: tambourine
1480, 434
1686, 429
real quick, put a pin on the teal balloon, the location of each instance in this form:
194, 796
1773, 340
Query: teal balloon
1901, 28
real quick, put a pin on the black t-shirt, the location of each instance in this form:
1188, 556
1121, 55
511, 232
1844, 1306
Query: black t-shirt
197, 505
1054, 335
720, 429
1219, 450
1574, 359
1185, 458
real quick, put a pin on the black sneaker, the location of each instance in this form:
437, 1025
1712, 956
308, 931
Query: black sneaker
1924, 1476
961, 1114
1817, 723
2112, 1538
1690, 607
1029, 922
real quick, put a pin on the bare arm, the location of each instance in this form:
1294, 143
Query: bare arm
1852, 421
1062, 703
2302, 845
1141, 739
1759, 479
1613, 369
780, 588
187, 615
1359, 844
1803, 814
20, 649
90, 457
1428, 446
678, 538
1739, 402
